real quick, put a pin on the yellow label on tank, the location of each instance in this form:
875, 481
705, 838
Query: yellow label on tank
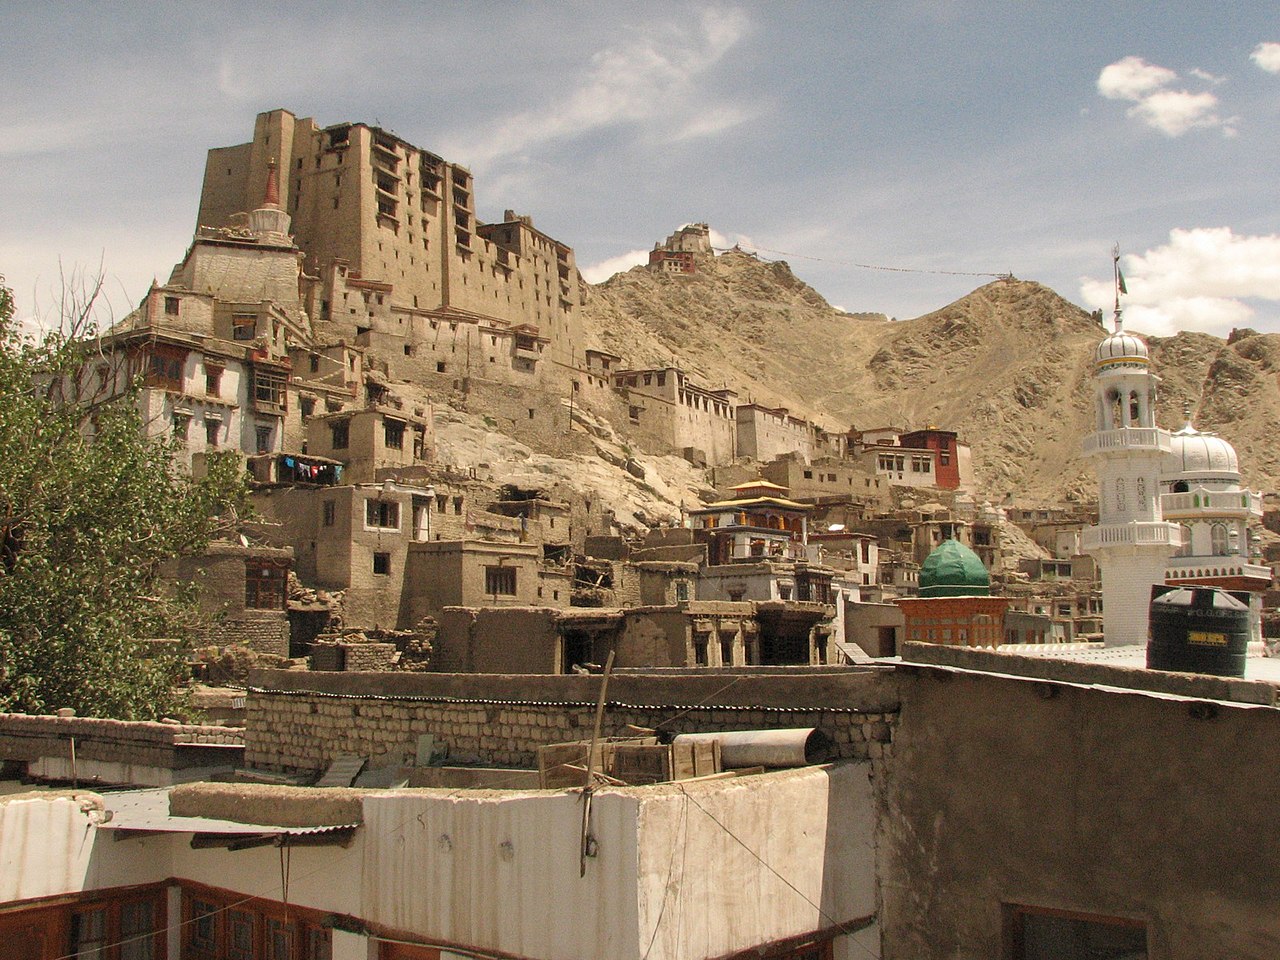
1207, 639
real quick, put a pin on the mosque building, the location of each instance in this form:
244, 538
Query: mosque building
955, 606
1200, 489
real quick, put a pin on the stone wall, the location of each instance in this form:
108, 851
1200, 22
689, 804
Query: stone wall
300, 722
332, 657
264, 632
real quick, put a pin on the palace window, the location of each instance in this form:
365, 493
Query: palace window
164, 367
269, 388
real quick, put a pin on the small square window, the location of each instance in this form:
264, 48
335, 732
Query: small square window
171, 306
341, 433
382, 564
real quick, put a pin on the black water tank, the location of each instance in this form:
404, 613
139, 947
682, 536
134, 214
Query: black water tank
1198, 630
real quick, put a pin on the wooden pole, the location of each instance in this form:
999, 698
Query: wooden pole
588, 842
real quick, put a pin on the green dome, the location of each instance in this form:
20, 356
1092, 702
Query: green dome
953, 570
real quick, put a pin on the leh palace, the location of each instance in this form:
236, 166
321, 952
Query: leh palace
566, 626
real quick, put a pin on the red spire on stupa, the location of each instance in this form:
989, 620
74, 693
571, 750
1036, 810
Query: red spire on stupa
272, 199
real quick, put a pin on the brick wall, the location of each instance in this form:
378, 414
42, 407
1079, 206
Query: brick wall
300, 722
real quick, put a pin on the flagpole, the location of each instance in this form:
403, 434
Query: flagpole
1118, 281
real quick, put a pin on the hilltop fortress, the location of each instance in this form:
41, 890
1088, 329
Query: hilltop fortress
394, 256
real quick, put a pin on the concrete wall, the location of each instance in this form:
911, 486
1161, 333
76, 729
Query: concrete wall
1011, 791
771, 857
297, 721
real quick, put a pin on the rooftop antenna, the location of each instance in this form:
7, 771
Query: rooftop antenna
1119, 283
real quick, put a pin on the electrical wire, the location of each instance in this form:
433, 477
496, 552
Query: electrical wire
865, 266
286, 864
768, 866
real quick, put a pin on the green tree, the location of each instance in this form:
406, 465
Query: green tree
90, 509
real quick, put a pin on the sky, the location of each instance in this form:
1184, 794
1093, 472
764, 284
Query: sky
896, 155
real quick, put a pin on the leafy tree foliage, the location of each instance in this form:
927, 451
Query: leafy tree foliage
90, 508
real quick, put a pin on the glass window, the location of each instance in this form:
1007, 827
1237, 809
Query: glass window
89, 933
1056, 935
137, 930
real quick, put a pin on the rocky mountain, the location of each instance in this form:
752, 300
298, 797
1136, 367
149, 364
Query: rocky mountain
1007, 366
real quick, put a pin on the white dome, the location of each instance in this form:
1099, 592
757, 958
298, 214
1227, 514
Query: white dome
1120, 346
1197, 455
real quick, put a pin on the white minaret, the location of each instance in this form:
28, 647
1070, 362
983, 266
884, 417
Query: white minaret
1131, 542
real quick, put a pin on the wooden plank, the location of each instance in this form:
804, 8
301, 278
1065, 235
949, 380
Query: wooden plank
555, 763
642, 764
342, 771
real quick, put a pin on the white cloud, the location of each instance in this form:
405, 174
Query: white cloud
1267, 57
720, 241
602, 271
1172, 112
654, 78
1199, 280
1206, 76
1132, 79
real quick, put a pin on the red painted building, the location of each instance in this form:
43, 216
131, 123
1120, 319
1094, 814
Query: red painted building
945, 454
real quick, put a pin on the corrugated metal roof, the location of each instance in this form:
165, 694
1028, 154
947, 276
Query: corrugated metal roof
149, 810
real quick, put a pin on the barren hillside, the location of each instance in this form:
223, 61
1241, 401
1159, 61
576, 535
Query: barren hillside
1006, 366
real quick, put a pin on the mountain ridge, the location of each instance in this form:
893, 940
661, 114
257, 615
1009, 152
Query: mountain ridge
1008, 366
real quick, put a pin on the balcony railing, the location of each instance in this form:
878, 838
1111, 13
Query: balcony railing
1132, 534
1128, 438
1199, 568
1234, 503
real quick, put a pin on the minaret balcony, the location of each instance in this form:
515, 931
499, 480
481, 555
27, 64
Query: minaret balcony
1142, 439
1141, 534
1205, 504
